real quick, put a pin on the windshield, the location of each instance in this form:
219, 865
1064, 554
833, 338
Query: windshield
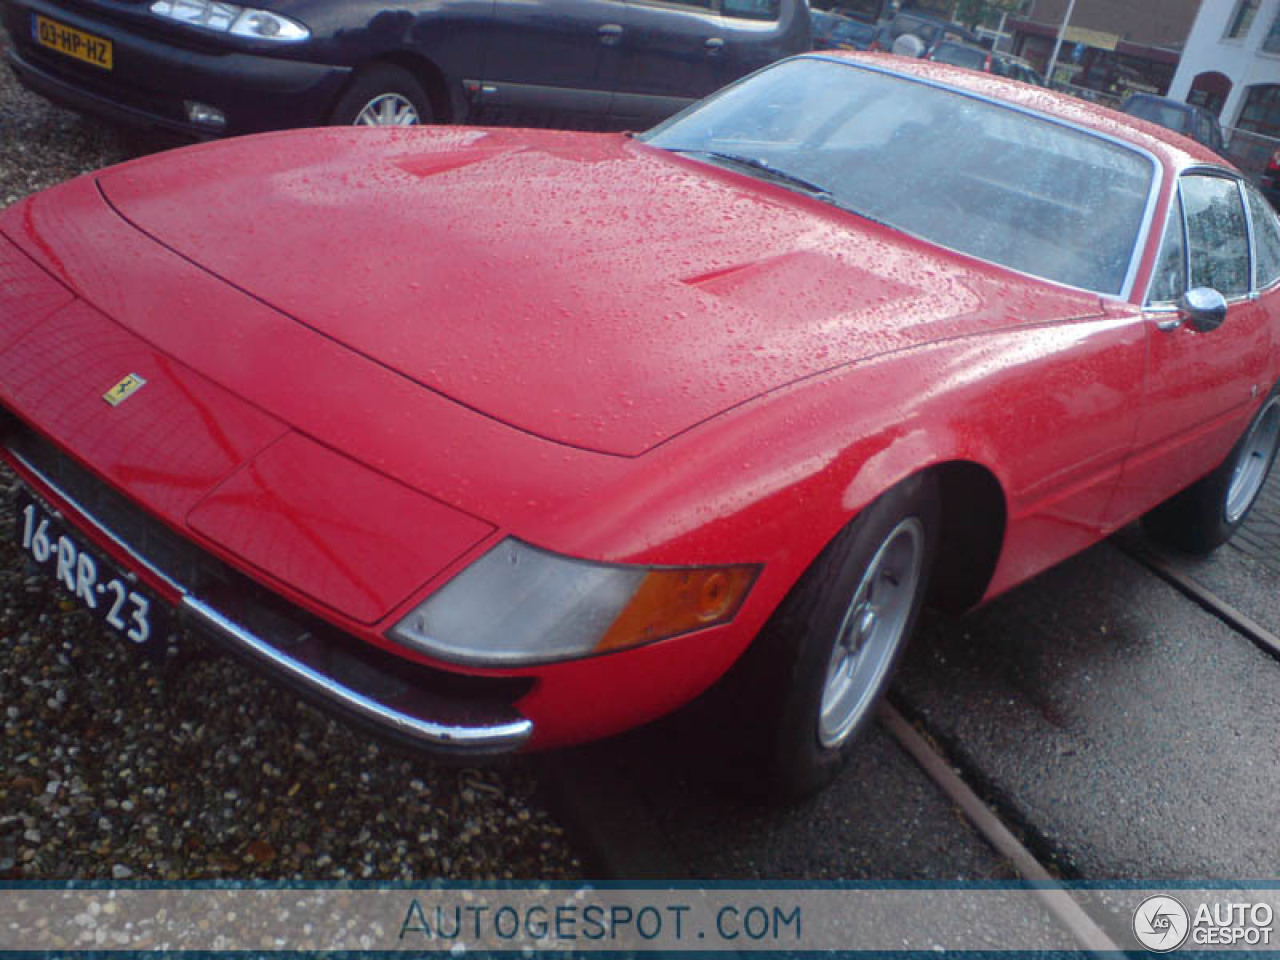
987, 180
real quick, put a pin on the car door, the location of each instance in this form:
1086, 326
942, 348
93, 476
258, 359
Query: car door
679, 51
673, 54
1201, 384
758, 32
558, 59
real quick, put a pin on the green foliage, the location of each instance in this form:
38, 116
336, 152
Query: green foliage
973, 13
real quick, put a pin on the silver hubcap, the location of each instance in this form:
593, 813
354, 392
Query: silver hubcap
871, 632
388, 110
1255, 459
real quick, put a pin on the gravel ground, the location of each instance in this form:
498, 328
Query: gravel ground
192, 767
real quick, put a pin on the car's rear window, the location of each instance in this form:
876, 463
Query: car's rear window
1165, 114
973, 175
954, 53
854, 31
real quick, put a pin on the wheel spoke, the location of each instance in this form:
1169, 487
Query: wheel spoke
388, 110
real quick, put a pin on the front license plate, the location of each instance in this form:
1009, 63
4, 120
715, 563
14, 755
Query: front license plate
85, 47
93, 581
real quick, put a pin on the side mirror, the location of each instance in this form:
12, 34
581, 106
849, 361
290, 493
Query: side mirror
1203, 308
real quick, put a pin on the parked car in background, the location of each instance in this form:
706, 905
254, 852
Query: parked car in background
974, 57
1018, 69
1187, 119
959, 54
1270, 179
831, 31
931, 30
204, 68
405, 419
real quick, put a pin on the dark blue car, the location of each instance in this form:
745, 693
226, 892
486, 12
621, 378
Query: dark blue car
831, 31
205, 68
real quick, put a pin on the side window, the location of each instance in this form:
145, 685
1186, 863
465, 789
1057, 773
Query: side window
1216, 234
1266, 238
1169, 281
1201, 127
752, 9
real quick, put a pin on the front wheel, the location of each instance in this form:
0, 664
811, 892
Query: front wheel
1206, 514
826, 657
383, 95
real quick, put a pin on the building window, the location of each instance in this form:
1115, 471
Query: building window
1272, 42
1241, 19
1261, 112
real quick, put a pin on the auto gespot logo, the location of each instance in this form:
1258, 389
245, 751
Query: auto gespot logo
1162, 924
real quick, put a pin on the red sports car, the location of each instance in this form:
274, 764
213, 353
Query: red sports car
504, 440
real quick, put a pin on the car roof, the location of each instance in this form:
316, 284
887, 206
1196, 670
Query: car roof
1171, 148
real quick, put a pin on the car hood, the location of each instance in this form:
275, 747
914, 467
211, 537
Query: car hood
587, 289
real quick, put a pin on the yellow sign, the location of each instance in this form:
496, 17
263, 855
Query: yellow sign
74, 43
1090, 38
123, 390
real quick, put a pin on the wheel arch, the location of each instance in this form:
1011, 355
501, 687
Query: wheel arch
446, 103
974, 506
974, 519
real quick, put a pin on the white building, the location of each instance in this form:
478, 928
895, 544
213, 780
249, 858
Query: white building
1231, 64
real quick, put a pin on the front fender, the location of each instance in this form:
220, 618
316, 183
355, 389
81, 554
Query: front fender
1047, 409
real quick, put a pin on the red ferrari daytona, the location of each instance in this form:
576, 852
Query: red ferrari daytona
503, 440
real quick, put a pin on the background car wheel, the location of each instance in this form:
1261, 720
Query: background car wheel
384, 96
821, 665
1207, 513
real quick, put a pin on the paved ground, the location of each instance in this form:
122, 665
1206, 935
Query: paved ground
1128, 731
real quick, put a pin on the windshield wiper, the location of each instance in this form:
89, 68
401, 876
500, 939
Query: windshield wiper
773, 173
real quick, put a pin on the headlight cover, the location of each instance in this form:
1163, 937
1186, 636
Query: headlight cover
229, 18
519, 605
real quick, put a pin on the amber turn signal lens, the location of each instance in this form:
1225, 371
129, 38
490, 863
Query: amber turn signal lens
671, 602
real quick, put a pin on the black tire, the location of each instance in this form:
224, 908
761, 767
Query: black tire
1205, 515
388, 84
793, 663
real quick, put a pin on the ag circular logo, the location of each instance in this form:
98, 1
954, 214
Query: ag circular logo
1161, 924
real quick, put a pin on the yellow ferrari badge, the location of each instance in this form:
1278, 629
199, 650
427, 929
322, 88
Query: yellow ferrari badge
123, 390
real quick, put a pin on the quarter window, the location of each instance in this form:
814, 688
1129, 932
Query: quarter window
1169, 281
1216, 234
1266, 238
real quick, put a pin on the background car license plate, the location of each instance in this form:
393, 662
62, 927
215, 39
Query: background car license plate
74, 43
93, 581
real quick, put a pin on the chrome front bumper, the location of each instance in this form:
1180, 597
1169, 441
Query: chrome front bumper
444, 713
